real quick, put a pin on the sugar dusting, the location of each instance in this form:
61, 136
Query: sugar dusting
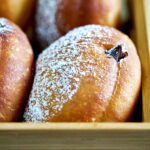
4, 25
60, 68
45, 21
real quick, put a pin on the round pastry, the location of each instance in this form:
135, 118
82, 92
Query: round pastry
55, 18
18, 11
16, 65
92, 74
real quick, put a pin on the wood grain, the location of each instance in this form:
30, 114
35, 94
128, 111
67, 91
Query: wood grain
73, 126
75, 140
142, 27
75, 136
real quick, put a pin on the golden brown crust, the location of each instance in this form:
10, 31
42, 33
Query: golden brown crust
16, 66
74, 13
89, 107
55, 18
77, 81
17, 11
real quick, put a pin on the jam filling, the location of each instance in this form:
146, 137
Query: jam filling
116, 53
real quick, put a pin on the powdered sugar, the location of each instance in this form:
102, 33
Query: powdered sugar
4, 25
45, 21
61, 67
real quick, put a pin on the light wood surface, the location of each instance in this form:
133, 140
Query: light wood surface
141, 13
73, 126
75, 136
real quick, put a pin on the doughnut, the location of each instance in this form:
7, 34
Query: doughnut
55, 18
16, 67
88, 75
19, 12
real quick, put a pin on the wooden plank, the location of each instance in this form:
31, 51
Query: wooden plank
81, 136
72, 126
142, 27
147, 19
75, 136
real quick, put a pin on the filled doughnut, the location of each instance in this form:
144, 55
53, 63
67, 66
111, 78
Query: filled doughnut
55, 18
16, 67
18, 11
92, 74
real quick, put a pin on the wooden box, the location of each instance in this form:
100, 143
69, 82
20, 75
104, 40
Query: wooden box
93, 136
